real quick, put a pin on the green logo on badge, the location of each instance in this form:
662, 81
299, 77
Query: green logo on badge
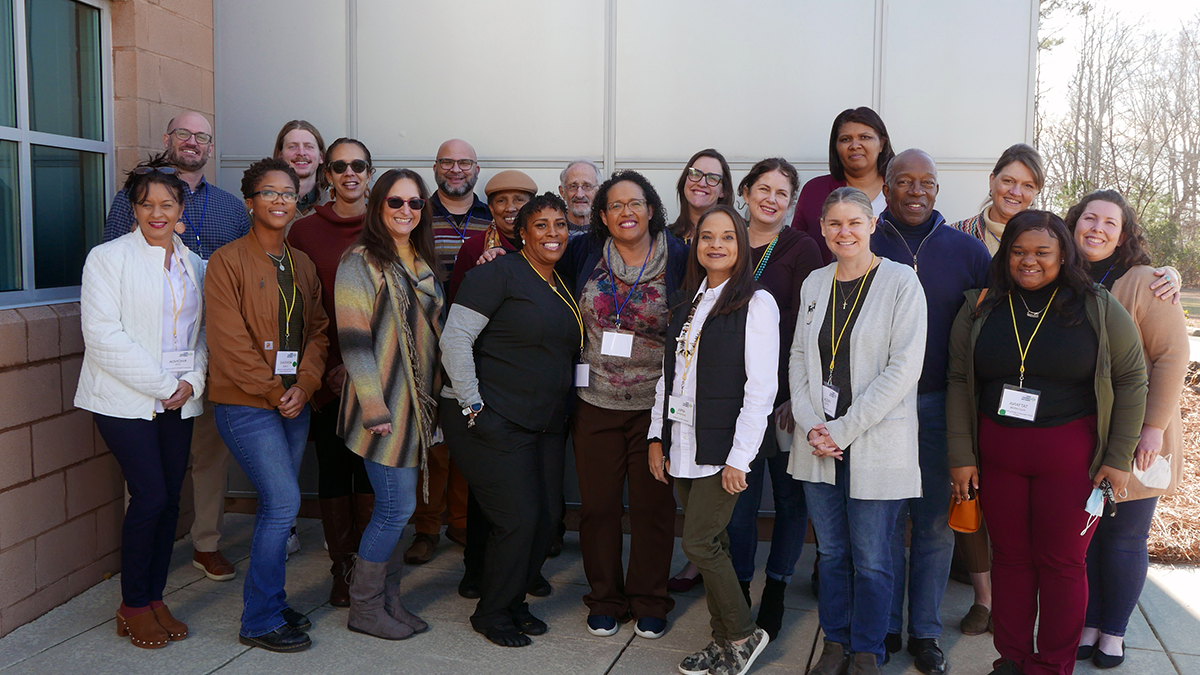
672, 410
1001, 411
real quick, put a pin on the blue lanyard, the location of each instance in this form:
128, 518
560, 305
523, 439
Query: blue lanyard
462, 234
1110, 269
194, 228
618, 304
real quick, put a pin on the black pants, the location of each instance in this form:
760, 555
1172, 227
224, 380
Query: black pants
153, 455
340, 472
516, 476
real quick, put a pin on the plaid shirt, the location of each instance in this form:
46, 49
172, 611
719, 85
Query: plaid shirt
449, 237
224, 218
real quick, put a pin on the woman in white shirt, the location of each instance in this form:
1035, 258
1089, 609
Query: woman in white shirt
721, 373
143, 371
853, 371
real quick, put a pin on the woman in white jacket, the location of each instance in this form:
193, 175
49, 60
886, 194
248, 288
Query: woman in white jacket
853, 371
143, 371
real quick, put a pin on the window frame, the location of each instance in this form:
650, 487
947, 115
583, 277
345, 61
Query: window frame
25, 138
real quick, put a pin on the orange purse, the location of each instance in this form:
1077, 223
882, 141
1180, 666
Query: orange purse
965, 516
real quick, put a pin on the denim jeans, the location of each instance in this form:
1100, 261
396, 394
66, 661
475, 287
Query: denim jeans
395, 501
1116, 565
791, 516
853, 539
932, 545
268, 447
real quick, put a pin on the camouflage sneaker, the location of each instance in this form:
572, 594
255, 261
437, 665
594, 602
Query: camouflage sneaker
737, 659
701, 661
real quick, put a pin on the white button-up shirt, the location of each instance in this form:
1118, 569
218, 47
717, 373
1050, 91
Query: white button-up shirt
762, 381
181, 295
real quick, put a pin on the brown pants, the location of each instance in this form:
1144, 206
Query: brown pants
610, 448
210, 477
974, 550
447, 492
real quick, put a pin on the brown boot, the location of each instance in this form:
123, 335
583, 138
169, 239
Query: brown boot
367, 613
337, 519
391, 596
142, 630
177, 629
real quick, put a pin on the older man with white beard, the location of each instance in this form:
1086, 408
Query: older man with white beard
577, 184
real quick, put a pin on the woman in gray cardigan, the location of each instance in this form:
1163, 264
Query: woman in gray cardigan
856, 358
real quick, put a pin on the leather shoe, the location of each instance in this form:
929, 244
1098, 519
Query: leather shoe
421, 549
540, 588
457, 535
213, 564
1006, 667
1102, 660
683, 584
555, 547
1084, 652
282, 639
927, 656
296, 619
469, 587
892, 642
977, 621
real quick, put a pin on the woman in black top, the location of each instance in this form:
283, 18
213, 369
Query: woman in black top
509, 347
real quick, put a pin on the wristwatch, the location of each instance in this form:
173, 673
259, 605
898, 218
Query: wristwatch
470, 412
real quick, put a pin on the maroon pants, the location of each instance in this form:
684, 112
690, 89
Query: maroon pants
610, 449
1033, 486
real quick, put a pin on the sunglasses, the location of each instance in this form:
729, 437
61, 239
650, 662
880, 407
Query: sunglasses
416, 203
694, 175
143, 170
358, 166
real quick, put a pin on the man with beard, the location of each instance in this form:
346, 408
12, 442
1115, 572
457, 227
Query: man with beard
457, 212
211, 218
577, 184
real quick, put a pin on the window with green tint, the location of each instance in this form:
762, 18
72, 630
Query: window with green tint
8, 71
64, 68
68, 212
10, 222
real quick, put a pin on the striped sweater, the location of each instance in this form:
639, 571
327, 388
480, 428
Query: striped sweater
389, 324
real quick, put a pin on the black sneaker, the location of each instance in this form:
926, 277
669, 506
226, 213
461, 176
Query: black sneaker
283, 639
295, 619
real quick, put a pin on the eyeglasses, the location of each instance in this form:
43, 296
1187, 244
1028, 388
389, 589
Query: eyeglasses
416, 203
576, 187
183, 135
694, 175
271, 195
143, 170
445, 164
338, 166
635, 205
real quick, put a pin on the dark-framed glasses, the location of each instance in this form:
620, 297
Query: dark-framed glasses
446, 164
143, 170
635, 205
339, 166
694, 175
416, 203
184, 134
271, 195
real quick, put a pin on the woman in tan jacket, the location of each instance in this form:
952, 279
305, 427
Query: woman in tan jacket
1107, 232
267, 347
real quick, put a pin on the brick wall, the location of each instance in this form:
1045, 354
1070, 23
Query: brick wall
62, 496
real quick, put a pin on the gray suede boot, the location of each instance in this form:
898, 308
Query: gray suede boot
367, 613
391, 596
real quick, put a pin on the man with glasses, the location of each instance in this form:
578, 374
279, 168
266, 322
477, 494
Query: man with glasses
212, 218
577, 184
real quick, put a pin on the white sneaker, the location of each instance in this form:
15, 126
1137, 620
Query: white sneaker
293, 545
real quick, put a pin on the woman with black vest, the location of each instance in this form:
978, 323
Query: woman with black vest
712, 420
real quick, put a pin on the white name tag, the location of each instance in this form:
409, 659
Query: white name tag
681, 409
829, 398
617, 343
582, 374
286, 363
179, 362
1019, 403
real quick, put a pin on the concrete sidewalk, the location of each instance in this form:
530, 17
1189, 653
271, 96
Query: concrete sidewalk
80, 637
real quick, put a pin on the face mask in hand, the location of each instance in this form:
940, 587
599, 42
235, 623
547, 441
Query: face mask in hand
1158, 476
1094, 508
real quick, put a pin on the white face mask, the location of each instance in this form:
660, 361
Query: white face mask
1094, 508
1158, 476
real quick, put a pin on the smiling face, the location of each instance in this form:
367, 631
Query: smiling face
579, 199
157, 214
699, 194
504, 205
189, 155
1098, 230
455, 181
300, 149
716, 247
858, 147
545, 236
1013, 190
913, 189
629, 223
274, 214
768, 199
847, 230
348, 186
402, 221
1034, 259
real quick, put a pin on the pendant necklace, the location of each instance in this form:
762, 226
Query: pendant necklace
278, 261
1029, 312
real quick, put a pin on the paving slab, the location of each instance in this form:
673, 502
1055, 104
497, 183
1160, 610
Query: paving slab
1186, 664
1170, 602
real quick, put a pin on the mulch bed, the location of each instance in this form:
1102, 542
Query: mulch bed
1175, 532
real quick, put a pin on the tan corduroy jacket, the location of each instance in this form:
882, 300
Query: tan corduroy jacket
241, 297
1163, 330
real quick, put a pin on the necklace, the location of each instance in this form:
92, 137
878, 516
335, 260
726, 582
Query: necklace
1029, 312
278, 261
842, 292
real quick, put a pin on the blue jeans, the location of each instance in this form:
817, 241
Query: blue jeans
395, 501
853, 539
1116, 565
791, 515
932, 545
268, 447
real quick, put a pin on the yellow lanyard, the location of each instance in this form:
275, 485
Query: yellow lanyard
176, 309
833, 316
1023, 351
287, 309
565, 298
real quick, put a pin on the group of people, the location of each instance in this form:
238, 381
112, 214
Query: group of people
442, 351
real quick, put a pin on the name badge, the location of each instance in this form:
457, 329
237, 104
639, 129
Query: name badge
582, 373
681, 409
829, 399
286, 363
617, 343
1019, 403
179, 362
